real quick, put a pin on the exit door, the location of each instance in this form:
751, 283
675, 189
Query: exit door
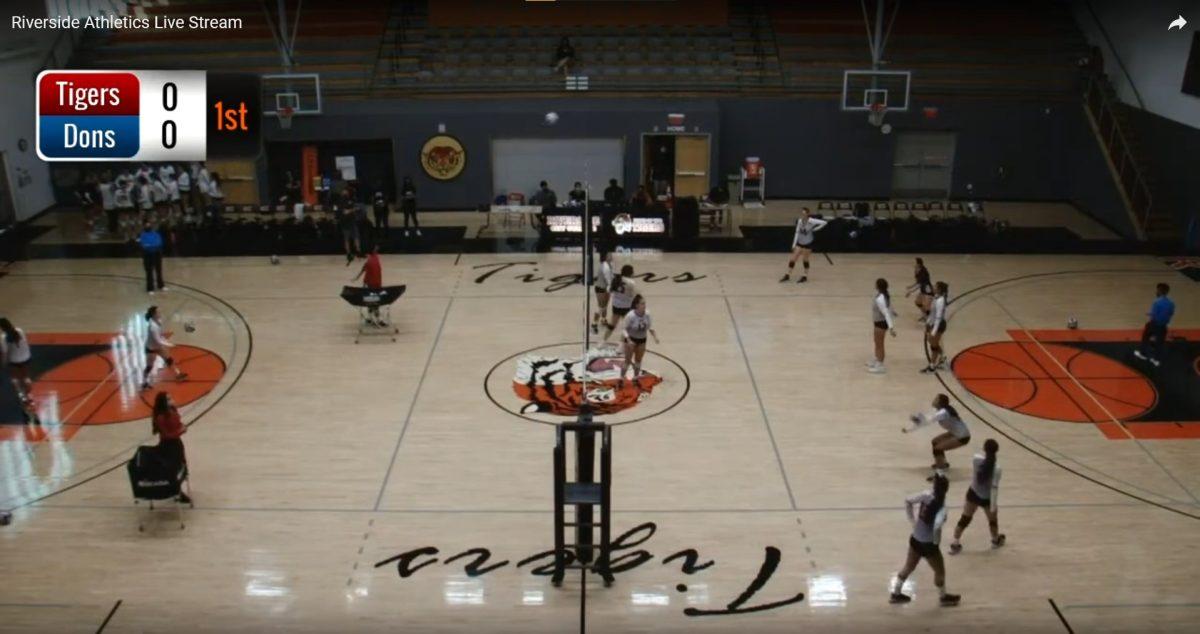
923, 165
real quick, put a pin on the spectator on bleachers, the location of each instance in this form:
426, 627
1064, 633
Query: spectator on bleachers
564, 56
185, 191
614, 194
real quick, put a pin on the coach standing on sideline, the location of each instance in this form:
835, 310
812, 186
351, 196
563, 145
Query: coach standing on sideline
1161, 312
152, 252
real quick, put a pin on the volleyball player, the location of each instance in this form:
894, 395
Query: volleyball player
984, 489
935, 327
15, 355
157, 347
637, 325
923, 287
802, 242
603, 280
956, 435
927, 524
622, 290
881, 313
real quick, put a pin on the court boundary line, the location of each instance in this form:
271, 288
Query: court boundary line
108, 618
942, 380
1062, 618
232, 384
1104, 409
762, 408
412, 404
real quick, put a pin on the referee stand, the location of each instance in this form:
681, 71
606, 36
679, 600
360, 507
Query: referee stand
588, 496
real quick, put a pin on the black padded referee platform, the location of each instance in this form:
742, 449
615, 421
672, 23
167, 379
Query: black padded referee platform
590, 499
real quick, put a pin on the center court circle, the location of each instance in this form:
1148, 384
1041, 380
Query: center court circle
543, 384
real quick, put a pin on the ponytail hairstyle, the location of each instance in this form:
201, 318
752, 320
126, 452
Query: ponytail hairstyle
618, 283
941, 401
150, 312
10, 334
988, 468
161, 405
881, 285
943, 289
931, 509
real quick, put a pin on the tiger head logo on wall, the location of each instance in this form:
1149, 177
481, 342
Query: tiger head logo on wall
443, 157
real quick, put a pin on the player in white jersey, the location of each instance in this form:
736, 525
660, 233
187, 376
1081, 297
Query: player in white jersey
637, 326
881, 315
15, 355
157, 346
108, 203
603, 280
956, 435
927, 521
802, 243
983, 492
622, 290
935, 327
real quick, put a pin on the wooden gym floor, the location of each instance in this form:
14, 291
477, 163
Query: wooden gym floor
314, 459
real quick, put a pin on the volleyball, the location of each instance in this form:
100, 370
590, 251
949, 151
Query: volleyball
1072, 323
551, 118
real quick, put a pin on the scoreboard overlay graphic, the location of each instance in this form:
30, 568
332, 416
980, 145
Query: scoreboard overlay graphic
146, 115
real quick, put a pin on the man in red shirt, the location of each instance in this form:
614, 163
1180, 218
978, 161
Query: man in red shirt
372, 274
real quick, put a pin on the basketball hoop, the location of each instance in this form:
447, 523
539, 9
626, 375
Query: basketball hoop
876, 113
285, 117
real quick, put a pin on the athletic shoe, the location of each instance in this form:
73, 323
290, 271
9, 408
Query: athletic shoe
941, 364
803, 279
182, 376
899, 597
955, 548
949, 599
1138, 354
418, 232
163, 288
999, 541
784, 278
929, 369
349, 258
1155, 362
406, 233
877, 369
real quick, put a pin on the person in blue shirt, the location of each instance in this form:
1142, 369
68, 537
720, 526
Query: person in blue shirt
151, 242
1154, 335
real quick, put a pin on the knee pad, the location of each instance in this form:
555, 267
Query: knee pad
964, 521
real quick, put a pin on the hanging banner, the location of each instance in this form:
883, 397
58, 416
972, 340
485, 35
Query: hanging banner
310, 174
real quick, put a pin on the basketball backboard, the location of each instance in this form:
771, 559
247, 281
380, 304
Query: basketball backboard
299, 91
862, 89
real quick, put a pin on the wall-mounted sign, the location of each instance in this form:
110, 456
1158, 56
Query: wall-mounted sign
443, 157
675, 122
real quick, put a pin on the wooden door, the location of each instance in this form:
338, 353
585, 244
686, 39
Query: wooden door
691, 165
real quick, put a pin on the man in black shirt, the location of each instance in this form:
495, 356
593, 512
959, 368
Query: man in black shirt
546, 199
614, 194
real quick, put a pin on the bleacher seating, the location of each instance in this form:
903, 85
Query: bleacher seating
953, 48
386, 48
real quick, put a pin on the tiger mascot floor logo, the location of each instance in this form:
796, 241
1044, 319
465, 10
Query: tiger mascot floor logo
546, 384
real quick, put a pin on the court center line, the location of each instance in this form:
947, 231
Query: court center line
1104, 409
412, 404
761, 407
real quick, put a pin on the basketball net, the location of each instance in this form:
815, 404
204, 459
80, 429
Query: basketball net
285, 117
875, 116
